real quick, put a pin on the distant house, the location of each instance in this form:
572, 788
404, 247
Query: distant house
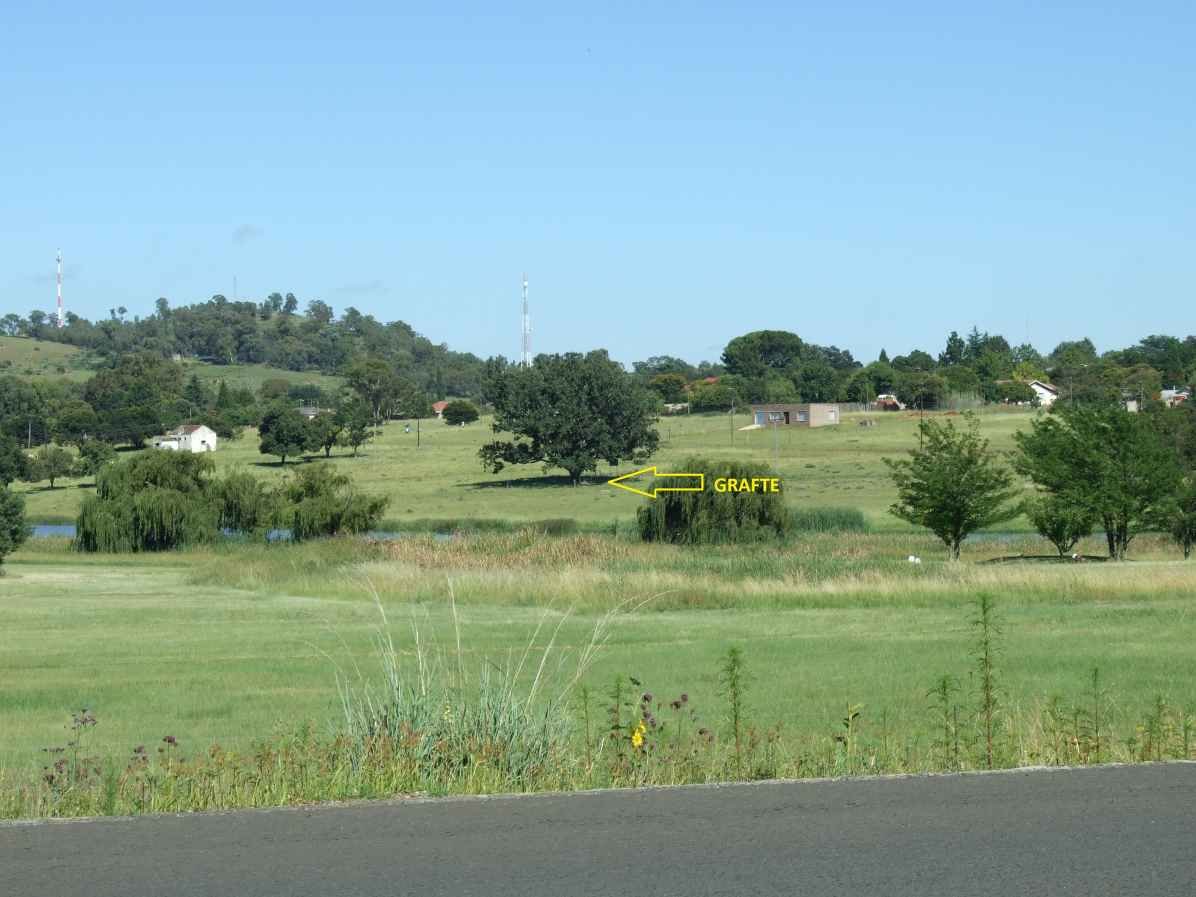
438, 408
194, 438
310, 411
798, 415
888, 402
1175, 397
1046, 393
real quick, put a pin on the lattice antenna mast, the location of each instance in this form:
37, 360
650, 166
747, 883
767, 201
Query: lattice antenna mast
61, 319
525, 349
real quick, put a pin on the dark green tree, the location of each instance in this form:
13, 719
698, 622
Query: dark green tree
75, 422
670, 387
1109, 463
357, 422
375, 382
756, 353
569, 411
816, 381
952, 484
93, 457
324, 432
1180, 515
459, 411
283, 432
13, 531
51, 462
14, 463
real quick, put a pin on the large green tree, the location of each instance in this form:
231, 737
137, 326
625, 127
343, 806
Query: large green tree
1112, 464
284, 432
952, 484
357, 422
569, 411
755, 354
51, 462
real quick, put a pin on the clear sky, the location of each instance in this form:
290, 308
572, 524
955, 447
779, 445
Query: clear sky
670, 175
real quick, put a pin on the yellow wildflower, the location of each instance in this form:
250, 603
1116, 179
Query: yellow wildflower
637, 736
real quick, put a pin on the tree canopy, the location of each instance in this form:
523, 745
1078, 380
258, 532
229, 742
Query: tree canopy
951, 484
569, 411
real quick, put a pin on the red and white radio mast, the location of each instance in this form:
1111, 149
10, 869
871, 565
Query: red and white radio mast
60, 320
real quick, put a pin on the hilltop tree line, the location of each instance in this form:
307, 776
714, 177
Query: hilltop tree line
274, 332
778, 366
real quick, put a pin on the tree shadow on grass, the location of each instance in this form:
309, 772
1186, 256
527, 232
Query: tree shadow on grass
1045, 559
542, 482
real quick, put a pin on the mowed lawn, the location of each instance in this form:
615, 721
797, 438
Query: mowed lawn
158, 646
442, 477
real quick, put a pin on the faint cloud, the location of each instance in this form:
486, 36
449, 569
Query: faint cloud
246, 232
359, 289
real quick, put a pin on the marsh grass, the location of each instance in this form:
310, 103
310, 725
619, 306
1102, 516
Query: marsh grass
592, 572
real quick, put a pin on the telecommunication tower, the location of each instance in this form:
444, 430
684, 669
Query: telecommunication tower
525, 352
60, 319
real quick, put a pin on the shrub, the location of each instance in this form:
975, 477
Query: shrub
1060, 520
459, 411
317, 501
709, 517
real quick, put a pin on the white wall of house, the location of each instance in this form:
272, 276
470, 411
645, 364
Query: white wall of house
1046, 397
198, 440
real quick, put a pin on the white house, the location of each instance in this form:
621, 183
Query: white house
194, 438
1045, 392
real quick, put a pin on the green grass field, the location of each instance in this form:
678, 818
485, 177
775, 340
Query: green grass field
230, 644
225, 645
829, 466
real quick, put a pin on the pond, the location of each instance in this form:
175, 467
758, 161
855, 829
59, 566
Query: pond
67, 530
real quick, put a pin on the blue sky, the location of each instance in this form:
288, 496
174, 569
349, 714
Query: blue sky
670, 175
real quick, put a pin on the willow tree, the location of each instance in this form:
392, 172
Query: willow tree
317, 501
710, 516
157, 501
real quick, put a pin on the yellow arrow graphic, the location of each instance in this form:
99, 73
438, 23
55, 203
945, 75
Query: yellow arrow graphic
621, 482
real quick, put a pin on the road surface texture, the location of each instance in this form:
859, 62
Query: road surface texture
1113, 830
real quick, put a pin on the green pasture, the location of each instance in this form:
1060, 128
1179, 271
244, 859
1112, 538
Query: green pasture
23, 357
442, 477
226, 645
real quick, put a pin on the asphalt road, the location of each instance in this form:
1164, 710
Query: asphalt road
1115, 830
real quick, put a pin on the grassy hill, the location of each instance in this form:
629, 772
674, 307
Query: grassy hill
442, 478
25, 357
